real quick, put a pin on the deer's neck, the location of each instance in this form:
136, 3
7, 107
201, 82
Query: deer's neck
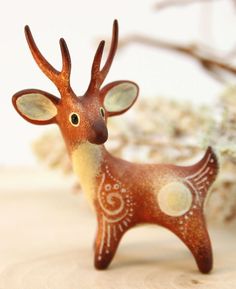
87, 160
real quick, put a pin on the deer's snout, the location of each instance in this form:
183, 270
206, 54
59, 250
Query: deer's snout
99, 133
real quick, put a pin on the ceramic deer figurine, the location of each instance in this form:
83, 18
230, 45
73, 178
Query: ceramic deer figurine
123, 194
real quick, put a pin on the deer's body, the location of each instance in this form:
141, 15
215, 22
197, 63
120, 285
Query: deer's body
123, 194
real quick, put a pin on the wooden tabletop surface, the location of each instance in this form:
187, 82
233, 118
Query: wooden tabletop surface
47, 232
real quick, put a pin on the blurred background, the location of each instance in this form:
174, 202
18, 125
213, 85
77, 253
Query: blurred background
83, 24
182, 54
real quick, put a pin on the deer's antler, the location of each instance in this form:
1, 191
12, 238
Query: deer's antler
98, 75
60, 78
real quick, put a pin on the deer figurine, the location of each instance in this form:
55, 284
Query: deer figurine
123, 194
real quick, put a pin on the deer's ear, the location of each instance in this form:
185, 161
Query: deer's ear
36, 106
119, 96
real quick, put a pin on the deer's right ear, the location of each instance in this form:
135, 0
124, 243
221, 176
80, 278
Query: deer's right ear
36, 106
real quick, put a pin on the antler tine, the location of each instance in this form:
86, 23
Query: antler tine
113, 47
66, 61
57, 77
98, 75
95, 71
43, 64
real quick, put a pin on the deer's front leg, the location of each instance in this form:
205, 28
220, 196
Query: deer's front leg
106, 242
115, 208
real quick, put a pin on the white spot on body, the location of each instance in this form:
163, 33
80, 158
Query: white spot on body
174, 199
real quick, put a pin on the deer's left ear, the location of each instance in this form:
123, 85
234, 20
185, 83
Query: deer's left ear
119, 96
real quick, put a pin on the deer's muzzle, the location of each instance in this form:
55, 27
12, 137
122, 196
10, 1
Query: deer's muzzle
99, 133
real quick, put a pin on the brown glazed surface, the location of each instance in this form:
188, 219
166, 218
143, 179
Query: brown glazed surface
138, 186
123, 194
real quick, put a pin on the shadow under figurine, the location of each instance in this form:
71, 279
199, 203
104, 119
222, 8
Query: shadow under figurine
124, 194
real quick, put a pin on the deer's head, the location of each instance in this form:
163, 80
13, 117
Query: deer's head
80, 118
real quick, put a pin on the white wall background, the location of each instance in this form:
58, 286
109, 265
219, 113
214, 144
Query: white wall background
82, 24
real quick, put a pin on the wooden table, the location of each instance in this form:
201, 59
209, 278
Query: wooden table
47, 234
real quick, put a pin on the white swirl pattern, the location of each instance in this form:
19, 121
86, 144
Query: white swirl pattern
116, 203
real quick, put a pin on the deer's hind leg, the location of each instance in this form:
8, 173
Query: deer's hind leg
193, 232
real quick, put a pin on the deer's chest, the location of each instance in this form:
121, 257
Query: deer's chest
86, 162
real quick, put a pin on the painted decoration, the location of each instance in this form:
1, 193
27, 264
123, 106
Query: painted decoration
123, 194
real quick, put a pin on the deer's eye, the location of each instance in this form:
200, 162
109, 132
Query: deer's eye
74, 119
102, 112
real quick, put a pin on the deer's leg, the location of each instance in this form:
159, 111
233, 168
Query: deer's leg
106, 242
200, 245
194, 234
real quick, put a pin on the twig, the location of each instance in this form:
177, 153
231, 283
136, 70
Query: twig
171, 3
212, 64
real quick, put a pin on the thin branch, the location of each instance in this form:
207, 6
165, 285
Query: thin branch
234, 3
175, 3
212, 64
232, 53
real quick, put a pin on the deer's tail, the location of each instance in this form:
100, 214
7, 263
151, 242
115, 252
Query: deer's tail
202, 175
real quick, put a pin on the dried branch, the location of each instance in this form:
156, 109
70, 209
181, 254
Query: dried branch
234, 2
174, 3
209, 61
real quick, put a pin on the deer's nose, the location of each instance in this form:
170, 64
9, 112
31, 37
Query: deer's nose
99, 134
